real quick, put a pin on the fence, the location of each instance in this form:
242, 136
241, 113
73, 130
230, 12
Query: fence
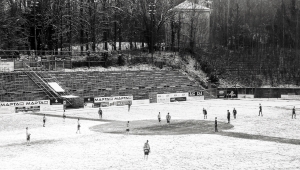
265, 92
60, 60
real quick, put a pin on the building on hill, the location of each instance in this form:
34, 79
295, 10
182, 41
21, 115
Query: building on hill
189, 25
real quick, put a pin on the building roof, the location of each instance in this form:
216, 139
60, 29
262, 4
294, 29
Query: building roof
188, 5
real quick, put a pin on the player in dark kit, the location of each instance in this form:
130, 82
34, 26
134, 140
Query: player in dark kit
127, 128
100, 113
44, 120
64, 115
260, 110
228, 116
129, 107
146, 150
205, 113
78, 126
216, 125
168, 117
27, 137
234, 113
294, 113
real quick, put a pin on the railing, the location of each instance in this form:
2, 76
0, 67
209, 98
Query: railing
31, 76
54, 79
39, 80
59, 61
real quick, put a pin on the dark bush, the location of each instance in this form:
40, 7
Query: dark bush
136, 60
108, 62
93, 58
213, 79
121, 60
206, 67
87, 64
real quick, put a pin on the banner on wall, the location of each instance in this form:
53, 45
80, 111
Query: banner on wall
28, 109
177, 99
295, 97
227, 94
112, 99
171, 97
52, 108
88, 100
196, 93
25, 103
23, 106
56, 101
104, 104
120, 103
6, 66
88, 105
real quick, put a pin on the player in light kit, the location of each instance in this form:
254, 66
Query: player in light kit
44, 120
146, 150
78, 126
159, 118
27, 137
127, 128
234, 113
168, 117
260, 110
294, 113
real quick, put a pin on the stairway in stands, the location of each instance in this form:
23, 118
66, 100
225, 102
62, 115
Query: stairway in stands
41, 80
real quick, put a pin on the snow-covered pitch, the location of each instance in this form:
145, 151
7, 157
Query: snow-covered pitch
268, 142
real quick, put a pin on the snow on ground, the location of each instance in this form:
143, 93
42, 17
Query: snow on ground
57, 146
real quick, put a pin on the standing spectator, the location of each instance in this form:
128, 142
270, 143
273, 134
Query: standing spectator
159, 118
44, 120
127, 128
260, 110
100, 113
228, 116
146, 150
234, 113
216, 125
205, 113
78, 126
294, 113
27, 137
168, 117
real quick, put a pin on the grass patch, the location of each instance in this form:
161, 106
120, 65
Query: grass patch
153, 127
261, 137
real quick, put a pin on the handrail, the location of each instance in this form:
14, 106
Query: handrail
40, 85
39, 78
55, 79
